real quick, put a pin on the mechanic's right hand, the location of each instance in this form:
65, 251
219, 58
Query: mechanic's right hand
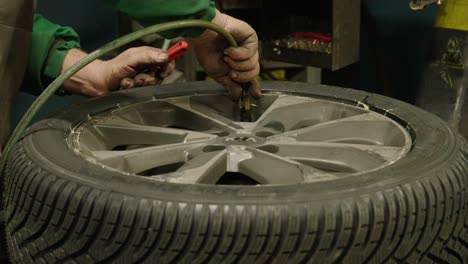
230, 66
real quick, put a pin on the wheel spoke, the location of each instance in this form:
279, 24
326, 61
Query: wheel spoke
173, 114
205, 114
142, 159
359, 129
336, 157
304, 130
267, 168
292, 113
118, 133
154, 135
220, 107
279, 103
204, 168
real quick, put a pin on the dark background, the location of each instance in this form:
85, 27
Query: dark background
395, 47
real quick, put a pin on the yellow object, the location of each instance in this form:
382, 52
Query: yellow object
247, 103
278, 74
453, 14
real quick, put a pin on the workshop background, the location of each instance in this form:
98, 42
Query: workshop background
395, 47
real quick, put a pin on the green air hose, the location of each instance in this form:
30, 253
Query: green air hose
58, 82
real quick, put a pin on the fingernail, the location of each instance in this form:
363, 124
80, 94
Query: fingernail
234, 75
226, 59
162, 56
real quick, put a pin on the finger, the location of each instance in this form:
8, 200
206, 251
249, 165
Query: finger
142, 56
245, 65
255, 89
126, 83
245, 76
168, 69
149, 80
143, 79
243, 52
233, 88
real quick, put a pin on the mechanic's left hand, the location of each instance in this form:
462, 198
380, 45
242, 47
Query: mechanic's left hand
102, 77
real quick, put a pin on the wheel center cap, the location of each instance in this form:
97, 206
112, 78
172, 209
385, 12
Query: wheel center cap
242, 140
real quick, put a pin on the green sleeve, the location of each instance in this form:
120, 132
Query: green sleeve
150, 12
49, 45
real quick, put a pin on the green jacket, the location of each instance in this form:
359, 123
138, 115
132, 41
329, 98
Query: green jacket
51, 42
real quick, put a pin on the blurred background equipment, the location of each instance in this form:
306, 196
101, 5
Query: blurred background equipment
421, 4
445, 80
325, 36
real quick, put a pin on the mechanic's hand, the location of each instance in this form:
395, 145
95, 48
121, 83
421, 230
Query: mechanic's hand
102, 77
230, 66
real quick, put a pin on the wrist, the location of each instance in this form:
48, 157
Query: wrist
56, 57
89, 81
219, 19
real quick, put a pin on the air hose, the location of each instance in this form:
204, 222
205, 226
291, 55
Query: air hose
58, 82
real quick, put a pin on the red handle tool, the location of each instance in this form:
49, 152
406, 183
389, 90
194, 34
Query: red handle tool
313, 36
177, 50
173, 52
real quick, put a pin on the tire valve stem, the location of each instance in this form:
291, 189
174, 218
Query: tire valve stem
244, 104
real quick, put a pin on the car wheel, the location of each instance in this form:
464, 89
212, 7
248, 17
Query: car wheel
168, 174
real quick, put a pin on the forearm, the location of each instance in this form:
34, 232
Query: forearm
49, 45
101, 77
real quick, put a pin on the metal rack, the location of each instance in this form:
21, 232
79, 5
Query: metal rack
338, 19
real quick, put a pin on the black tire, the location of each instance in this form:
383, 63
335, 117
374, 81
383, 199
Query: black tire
61, 208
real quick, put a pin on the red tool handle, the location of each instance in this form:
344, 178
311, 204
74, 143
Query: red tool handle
313, 36
177, 50
173, 52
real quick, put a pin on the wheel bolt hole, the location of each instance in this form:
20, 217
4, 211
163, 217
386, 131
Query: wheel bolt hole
211, 148
264, 134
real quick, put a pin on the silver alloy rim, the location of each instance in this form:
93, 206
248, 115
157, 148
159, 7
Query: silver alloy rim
197, 140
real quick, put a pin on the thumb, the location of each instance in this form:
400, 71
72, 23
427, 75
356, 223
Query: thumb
141, 56
255, 89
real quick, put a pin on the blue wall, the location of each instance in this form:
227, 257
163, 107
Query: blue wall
94, 22
396, 45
